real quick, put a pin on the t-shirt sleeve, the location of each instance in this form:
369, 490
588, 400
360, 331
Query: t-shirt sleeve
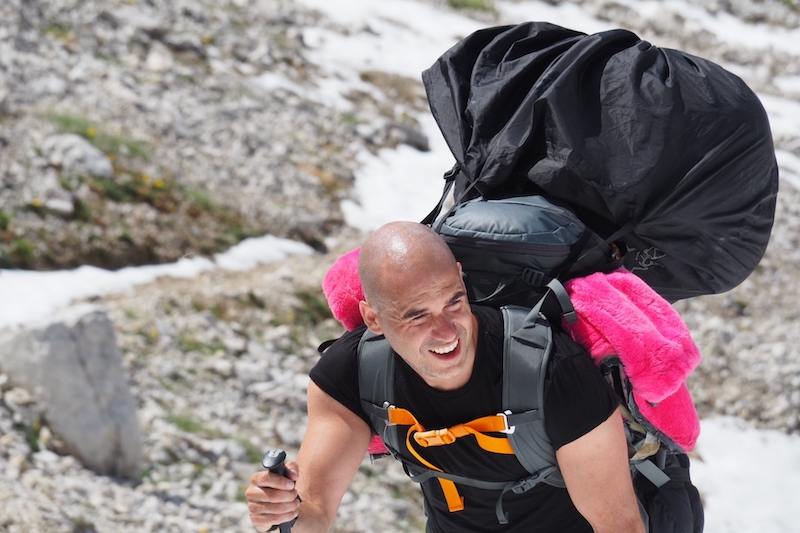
336, 372
577, 396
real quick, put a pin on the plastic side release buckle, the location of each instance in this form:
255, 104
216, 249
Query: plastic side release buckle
526, 484
435, 437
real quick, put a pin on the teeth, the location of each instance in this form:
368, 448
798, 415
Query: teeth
446, 349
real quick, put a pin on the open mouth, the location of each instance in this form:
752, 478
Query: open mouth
445, 351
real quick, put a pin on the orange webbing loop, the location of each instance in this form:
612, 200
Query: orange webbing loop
439, 437
477, 427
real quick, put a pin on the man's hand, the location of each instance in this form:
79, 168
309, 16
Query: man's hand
333, 448
272, 499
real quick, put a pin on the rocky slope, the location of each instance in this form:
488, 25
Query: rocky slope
135, 132
139, 132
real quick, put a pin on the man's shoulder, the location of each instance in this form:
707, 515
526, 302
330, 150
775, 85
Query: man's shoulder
348, 342
340, 356
336, 372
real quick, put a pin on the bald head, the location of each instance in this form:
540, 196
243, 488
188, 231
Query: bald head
397, 253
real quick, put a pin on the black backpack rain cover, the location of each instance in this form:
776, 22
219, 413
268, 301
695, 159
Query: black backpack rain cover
667, 153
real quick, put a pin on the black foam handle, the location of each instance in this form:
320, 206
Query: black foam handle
273, 461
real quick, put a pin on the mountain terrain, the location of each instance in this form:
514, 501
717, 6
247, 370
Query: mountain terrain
135, 132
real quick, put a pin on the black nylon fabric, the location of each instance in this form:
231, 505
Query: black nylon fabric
676, 506
628, 134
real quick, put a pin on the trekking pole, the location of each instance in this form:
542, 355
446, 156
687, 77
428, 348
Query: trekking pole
273, 461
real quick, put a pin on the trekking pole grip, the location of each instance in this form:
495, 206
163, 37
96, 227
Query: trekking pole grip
273, 461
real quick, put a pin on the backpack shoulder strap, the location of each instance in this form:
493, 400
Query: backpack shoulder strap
528, 343
376, 384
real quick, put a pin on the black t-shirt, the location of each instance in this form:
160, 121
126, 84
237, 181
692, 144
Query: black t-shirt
577, 399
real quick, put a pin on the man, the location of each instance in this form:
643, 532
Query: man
448, 372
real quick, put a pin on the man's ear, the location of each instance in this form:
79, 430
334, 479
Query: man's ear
370, 317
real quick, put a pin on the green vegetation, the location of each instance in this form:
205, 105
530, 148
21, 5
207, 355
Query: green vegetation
200, 199
483, 5
350, 118
149, 333
5, 220
189, 344
186, 423
82, 211
254, 455
100, 233
81, 525
59, 30
254, 300
131, 187
793, 4
31, 434
105, 141
23, 250
313, 307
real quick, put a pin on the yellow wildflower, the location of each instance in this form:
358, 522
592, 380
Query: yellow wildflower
91, 132
207, 39
159, 184
36, 202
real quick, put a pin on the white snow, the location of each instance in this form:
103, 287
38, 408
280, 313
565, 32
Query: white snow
37, 294
750, 479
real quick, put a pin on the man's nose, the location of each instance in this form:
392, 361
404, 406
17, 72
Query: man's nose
444, 328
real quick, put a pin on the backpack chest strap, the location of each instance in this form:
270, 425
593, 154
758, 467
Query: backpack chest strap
479, 428
440, 437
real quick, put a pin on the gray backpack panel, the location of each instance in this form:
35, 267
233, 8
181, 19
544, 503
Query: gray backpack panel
510, 248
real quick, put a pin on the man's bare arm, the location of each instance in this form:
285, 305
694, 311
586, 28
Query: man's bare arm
597, 473
333, 448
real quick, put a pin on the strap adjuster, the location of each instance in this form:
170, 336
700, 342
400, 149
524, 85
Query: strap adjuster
508, 430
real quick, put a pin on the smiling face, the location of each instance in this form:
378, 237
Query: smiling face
421, 308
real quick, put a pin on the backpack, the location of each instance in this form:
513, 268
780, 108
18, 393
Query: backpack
517, 249
665, 154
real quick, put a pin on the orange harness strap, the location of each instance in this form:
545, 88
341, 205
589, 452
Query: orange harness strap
440, 437
477, 427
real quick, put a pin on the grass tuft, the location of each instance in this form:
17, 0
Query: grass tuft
482, 5
185, 423
110, 144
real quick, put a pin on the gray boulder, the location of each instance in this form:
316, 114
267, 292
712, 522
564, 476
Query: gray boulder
75, 155
73, 367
